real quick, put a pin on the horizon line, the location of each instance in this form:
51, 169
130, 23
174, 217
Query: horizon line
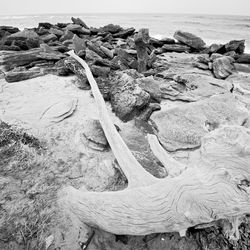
159, 13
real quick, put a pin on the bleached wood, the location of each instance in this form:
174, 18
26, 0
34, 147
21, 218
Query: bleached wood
173, 167
134, 172
201, 194
172, 205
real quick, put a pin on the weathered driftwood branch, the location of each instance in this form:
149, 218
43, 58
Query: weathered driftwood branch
213, 190
130, 166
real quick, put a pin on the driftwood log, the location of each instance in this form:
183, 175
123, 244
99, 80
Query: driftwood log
189, 196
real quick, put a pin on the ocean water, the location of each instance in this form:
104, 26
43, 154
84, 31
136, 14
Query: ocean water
211, 28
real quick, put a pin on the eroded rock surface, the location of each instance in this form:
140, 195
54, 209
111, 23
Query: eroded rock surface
183, 127
127, 98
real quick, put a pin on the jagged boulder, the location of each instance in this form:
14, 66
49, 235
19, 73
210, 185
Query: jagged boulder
78, 29
189, 39
111, 28
244, 58
79, 22
223, 67
127, 98
124, 33
9, 29
237, 46
141, 42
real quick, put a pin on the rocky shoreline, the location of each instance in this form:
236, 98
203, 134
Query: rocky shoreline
179, 89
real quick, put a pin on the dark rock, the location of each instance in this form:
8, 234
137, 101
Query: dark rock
33, 42
61, 69
216, 48
189, 39
91, 55
108, 45
151, 59
10, 60
167, 40
111, 28
148, 111
141, 41
21, 74
49, 38
56, 32
93, 132
124, 33
21, 44
93, 31
132, 52
68, 43
104, 85
42, 31
231, 54
22, 35
3, 34
155, 42
48, 53
100, 71
150, 72
120, 43
108, 53
107, 38
78, 29
76, 68
244, 58
113, 64
10, 48
127, 98
175, 48
237, 46
134, 135
45, 25
67, 36
203, 58
78, 44
61, 25
125, 60
96, 48
39, 63
223, 67
79, 22
58, 47
152, 87
9, 29
215, 56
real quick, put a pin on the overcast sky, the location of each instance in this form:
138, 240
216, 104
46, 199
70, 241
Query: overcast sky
15, 7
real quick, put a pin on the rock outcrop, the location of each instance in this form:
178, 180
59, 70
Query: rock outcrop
189, 39
183, 127
127, 98
223, 67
